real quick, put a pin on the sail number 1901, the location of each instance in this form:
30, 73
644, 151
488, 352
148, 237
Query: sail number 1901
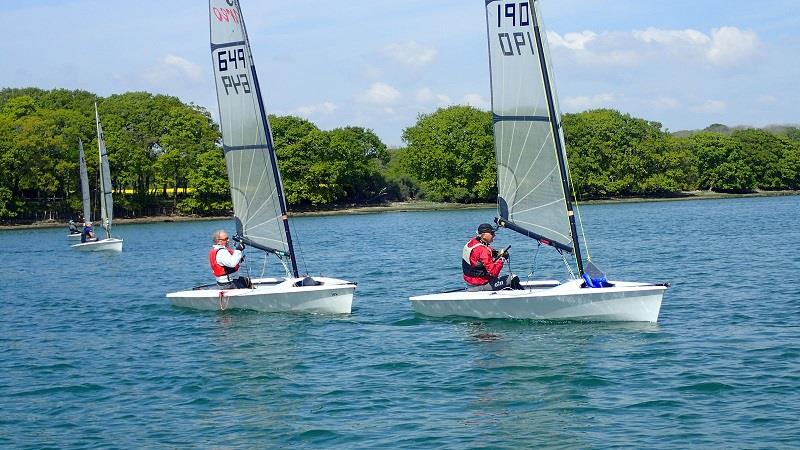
514, 14
233, 60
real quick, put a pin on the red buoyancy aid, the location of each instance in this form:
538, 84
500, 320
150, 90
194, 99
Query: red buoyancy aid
477, 263
218, 269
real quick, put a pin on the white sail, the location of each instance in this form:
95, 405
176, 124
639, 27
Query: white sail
84, 184
106, 200
527, 125
258, 205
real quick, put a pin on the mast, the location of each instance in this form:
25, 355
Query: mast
559, 141
271, 148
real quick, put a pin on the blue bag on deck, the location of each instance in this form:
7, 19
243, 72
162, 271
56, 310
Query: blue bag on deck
595, 278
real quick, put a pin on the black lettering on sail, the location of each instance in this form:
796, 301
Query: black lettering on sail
505, 41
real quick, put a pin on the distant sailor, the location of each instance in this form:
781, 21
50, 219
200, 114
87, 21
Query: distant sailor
87, 235
225, 262
73, 227
481, 264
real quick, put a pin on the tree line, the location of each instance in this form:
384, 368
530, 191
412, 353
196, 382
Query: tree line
166, 157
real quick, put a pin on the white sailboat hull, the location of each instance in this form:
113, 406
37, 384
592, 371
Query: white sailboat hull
72, 236
625, 302
110, 244
332, 296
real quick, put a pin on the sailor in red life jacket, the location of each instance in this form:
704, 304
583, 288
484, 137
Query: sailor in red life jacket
481, 264
225, 263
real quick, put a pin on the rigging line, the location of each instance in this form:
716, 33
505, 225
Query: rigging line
299, 246
569, 267
533, 262
577, 209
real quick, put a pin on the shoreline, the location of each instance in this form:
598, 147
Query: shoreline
415, 206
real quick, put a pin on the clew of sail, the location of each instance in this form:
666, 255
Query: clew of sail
256, 190
84, 184
106, 199
529, 144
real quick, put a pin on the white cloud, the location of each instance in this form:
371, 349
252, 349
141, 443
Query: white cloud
477, 101
410, 54
171, 68
712, 106
573, 41
322, 108
670, 37
380, 94
723, 46
427, 96
582, 103
731, 45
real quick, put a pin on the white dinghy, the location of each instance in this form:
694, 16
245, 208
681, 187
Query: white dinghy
534, 193
259, 205
106, 198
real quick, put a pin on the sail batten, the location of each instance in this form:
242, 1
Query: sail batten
256, 191
531, 191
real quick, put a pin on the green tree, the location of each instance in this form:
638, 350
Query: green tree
614, 154
189, 132
211, 193
790, 166
325, 167
450, 155
721, 163
762, 152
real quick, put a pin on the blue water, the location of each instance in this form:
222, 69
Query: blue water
92, 355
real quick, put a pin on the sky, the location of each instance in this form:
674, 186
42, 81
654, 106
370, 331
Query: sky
378, 64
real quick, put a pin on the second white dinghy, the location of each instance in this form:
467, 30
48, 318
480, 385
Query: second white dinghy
259, 206
106, 198
534, 193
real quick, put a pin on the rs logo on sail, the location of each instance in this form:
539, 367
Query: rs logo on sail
516, 14
226, 14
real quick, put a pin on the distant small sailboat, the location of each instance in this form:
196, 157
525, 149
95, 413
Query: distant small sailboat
76, 234
534, 194
106, 198
259, 205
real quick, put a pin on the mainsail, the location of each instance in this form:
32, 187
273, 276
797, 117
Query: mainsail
106, 200
84, 184
533, 188
259, 206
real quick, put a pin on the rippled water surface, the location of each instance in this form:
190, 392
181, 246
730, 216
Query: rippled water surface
92, 355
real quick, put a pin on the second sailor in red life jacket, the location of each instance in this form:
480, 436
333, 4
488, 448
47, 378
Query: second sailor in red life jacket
225, 263
481, 264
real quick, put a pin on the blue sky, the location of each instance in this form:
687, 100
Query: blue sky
379, 63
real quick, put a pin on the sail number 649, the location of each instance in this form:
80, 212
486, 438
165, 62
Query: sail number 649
233, 59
